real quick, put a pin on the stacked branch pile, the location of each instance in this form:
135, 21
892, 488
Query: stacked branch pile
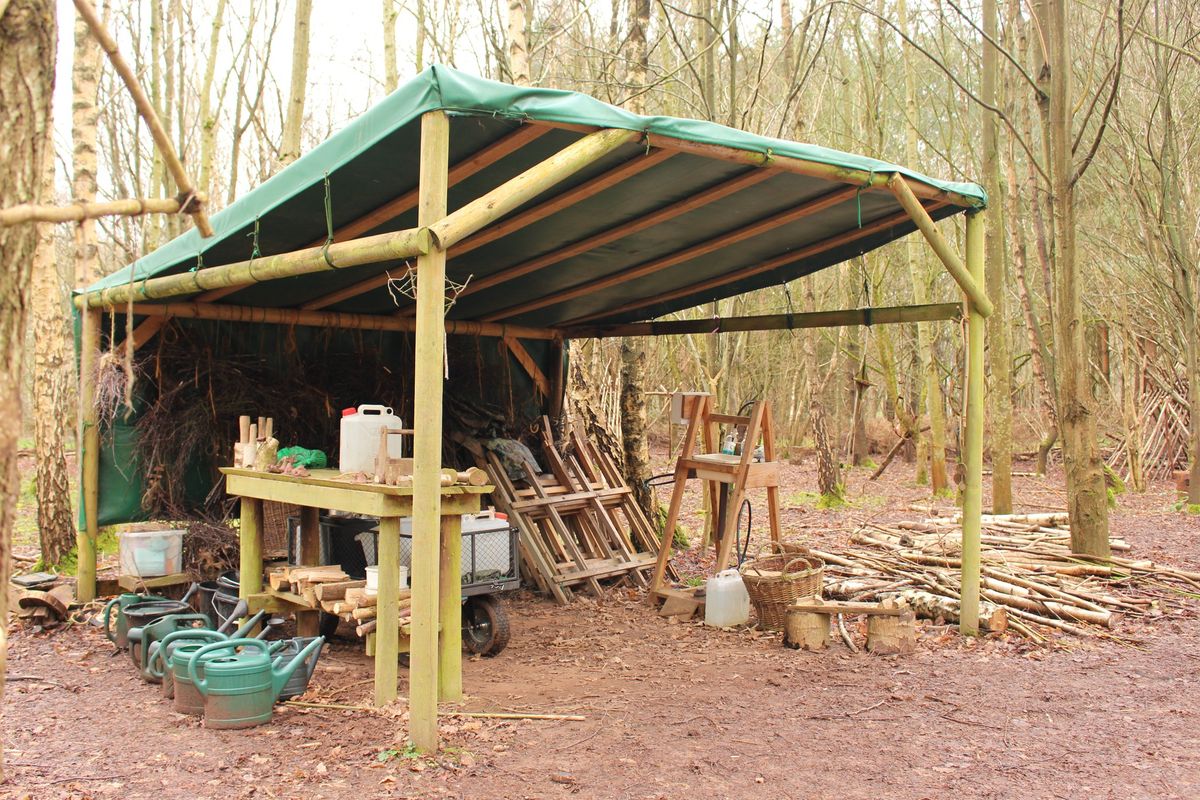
579, 524
331, 590
1029, 576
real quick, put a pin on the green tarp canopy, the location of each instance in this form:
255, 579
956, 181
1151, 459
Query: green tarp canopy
706, 217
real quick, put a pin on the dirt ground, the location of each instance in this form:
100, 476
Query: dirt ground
671, 710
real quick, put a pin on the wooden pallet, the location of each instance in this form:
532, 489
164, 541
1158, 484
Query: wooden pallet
578, 523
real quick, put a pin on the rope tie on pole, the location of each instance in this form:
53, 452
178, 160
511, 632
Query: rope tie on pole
254, 251
328, 223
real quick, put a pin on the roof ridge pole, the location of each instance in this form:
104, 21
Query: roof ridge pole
968, 618
954, 265
486, 209
427, 446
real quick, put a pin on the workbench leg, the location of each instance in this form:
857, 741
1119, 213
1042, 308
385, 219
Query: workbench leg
450, 586
387, 630
250, 565
308, 554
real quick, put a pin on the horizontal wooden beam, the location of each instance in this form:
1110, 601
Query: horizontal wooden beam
733, 276
515, 192
77, 212
368, 250
330, 319
773, 322
954, 265
711, 245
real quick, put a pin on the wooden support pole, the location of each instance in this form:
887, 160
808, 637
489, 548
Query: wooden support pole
772, 322
329, 319
367, 250
450, 611
77, 212
192, 202
250, 565
89, 461
483, 210
954, 265
973, 438
308, 623
387, 630
527, 362
427, 442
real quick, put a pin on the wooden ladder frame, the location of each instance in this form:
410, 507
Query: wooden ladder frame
743, 474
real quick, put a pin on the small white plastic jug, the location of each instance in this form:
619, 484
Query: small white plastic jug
726, 602
360, 438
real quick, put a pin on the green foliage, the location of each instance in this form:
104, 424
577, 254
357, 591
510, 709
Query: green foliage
1193, 508
1116, 485
694, 580
410, 751
834, 500
868, 463
682, 539
106, 545
1112, 496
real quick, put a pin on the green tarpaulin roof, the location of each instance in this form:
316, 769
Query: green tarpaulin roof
615, 270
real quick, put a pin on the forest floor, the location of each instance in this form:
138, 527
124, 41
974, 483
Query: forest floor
672, 710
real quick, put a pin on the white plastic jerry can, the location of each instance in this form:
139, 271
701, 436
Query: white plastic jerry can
726, 602
360, 437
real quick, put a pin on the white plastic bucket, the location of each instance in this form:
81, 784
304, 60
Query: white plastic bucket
373, 579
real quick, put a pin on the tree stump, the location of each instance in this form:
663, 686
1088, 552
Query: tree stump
889, 634
805, 630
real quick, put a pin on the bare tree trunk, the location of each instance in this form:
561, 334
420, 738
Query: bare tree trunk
1087, 499
208, 118
518, 43
391, 74
51, 375
633, 356
918, 272
289, 148
27, 53
999, 349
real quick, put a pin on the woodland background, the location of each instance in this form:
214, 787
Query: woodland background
1080, 118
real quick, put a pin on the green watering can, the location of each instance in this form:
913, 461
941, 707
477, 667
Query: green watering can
142, 639
158, 665
240, 689
187, 699
117, 634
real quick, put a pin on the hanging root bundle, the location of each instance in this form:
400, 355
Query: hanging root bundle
1029, 576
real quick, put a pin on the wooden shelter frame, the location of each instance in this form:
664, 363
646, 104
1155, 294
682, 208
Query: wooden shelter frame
436, 237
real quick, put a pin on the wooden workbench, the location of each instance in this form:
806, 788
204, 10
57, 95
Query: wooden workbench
435, 597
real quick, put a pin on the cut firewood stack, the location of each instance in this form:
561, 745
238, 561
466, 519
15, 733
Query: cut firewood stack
331, 590
1030, 579
579, 524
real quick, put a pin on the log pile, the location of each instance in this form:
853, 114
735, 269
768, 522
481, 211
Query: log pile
303, 582
579, 524
1030, 579
351, 602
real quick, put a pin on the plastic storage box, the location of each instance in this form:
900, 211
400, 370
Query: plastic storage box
149, 554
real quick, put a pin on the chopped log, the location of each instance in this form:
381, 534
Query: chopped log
363, 613
892, 634
804, 630
927, 605
337, 590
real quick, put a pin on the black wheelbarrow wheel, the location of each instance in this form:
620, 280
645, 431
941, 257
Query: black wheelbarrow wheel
484, 625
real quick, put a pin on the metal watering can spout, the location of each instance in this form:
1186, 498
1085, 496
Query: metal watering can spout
280, 675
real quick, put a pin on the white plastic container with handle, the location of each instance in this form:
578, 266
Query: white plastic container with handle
360, 437
726, 602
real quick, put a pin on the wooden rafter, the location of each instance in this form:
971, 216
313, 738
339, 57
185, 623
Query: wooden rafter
927, 312
723, 189
528, 364
459, 172
712, 245
790, 257
331, 319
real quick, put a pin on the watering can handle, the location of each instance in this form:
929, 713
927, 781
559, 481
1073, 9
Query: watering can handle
194, 661
159, 653
135, 634
241, 632
195, 587
280, 676
108, 607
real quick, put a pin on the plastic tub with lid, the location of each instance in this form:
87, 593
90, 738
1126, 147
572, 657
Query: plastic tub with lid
150, 554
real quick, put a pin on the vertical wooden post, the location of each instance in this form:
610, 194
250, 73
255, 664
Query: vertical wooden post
250, 566
450, 661
427, 443
554, 403
308, 623
89, 462
387, 629
968, 621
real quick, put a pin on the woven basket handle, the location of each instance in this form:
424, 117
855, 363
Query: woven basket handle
788, 567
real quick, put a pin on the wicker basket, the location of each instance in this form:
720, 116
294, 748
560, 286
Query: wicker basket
776, 580
274, 526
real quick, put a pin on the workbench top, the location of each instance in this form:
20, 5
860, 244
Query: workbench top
324, 488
